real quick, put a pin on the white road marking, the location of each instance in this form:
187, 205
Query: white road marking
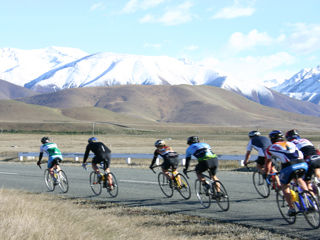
7, 173
137, 181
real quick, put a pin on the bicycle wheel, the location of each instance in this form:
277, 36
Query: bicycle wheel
63, 181
164, 184
114, 190
284, 208
311, 210
48, 179
202, 194
184, 188
260, 184
222, 198
94, 183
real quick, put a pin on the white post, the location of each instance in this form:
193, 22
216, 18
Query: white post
241, 163
183, 162
157, 161
128, 160
76, 159
21, 158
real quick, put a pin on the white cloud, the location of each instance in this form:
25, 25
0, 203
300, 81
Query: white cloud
134, 5
146, 4
157, 45
96, 6
255, 69
172, 16
239, 41
305, 39
235, 11
130, 7
191, 48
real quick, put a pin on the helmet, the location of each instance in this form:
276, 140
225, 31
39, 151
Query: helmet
192, 139
292, 134
254, 133
92, 139
276, 135
44, 140
159, 143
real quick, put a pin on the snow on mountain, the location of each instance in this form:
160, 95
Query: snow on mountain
272, 83
305, 85
21, 66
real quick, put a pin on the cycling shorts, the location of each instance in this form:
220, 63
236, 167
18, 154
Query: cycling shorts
210, 163
106, 158
54, 161
313, 163
286, 173
170, 162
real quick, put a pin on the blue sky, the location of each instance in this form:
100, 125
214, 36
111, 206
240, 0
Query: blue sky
251, 40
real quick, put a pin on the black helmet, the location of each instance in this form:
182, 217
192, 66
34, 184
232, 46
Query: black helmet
192, 139
292, 134
44, 140
92, 139
254, 133
159, 143
276, 136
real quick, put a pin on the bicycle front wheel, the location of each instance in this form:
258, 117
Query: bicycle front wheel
183, 188
311, 210
222, 198
95, 184
63, 181
164, 184
48, 179
260, 184
113, 188
202, 194
284, 208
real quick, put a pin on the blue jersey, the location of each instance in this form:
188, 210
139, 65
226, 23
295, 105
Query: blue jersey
202, 151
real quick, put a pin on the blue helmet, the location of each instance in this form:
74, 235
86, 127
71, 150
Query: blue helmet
292, 134
92, 139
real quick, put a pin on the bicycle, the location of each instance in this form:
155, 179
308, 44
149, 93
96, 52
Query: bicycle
304, 204
61, 180
97, 185
178, 182
263, 185
205, 195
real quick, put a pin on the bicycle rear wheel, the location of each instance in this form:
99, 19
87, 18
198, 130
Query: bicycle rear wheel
48, 179
311, 208
114, 190
95, 184
222, 198
260, 184
164, 184
202, 194
63, 181
184, 188
284, 208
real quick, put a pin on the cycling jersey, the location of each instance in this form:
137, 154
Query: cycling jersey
169, 156
202, 151
101, 152
306, 147
53, 152
259, 143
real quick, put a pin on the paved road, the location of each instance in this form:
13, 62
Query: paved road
138, 187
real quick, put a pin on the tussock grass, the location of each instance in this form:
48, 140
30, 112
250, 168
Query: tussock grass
42, 216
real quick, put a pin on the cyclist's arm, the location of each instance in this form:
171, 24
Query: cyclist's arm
40, 156
154, 158
247, 157
187, 162
86, 154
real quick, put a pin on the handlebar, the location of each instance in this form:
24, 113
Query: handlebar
154, 167
85, 166
249, 162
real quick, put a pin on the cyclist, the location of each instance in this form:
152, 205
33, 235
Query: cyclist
206, 160
291, 159
170, 158
54, 154
310, 153
259, 143
102, 154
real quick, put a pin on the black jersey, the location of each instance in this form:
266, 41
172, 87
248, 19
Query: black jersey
100, 151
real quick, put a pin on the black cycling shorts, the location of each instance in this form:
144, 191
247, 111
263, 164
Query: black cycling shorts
170, 162
98, 159
55, 161
210, 163
312, 165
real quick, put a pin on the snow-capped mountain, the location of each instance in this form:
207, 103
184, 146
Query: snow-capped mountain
305, 85
22, 66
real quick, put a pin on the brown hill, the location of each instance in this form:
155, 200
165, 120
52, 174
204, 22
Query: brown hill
12, 91
171, 104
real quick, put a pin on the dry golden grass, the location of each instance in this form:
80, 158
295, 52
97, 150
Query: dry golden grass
42, 216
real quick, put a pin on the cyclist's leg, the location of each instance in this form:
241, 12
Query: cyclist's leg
107, 169
200, 168
165, 166
50, 166
285, 178
260, 164
95, 161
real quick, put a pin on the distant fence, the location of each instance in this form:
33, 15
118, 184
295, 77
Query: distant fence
130, 156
